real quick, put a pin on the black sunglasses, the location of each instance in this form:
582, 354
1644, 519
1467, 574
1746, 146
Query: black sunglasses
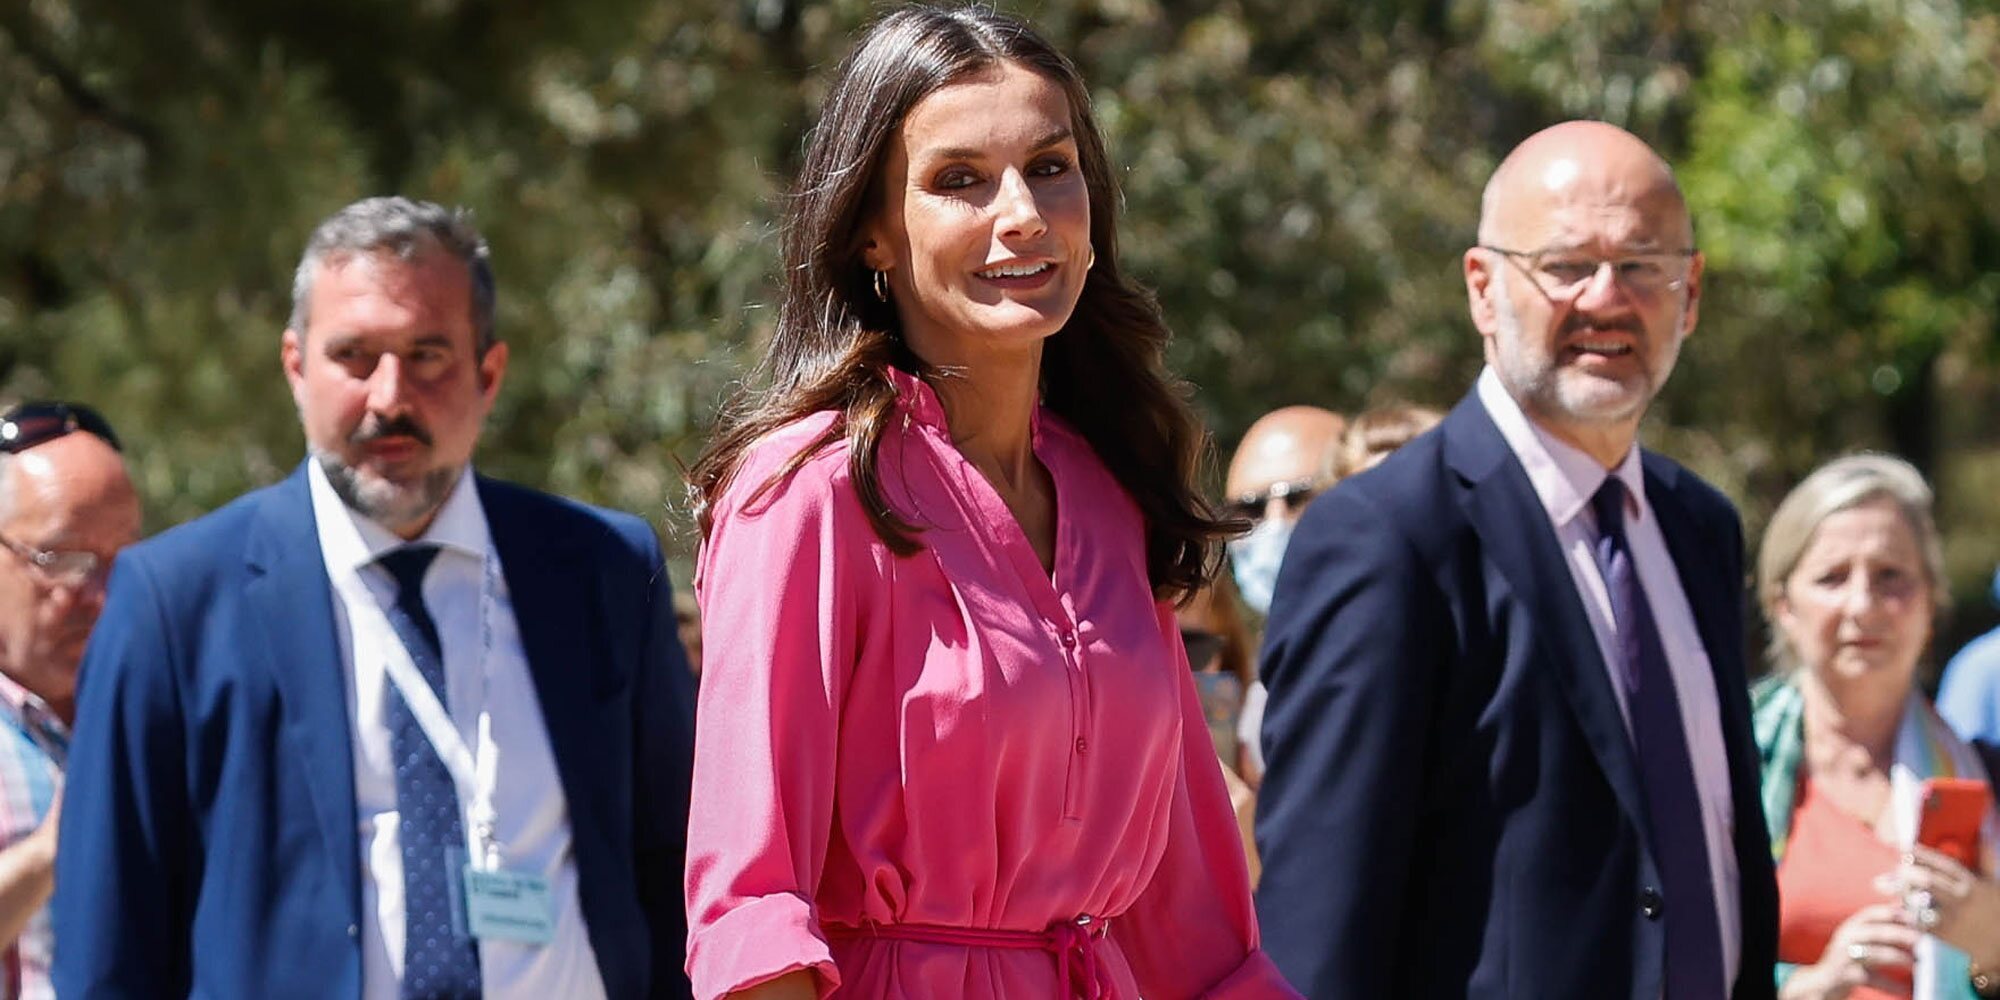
1250, 506
30, 424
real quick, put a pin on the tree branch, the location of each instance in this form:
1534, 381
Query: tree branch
86, 100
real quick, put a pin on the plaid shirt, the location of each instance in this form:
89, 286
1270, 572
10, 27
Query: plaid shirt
34, 744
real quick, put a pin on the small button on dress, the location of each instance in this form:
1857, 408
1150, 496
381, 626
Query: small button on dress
897, 781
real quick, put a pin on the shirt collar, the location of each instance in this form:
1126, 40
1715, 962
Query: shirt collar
36, 717
350, 540
1563, 476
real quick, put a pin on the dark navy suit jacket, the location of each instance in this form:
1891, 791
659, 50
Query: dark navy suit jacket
209, 822
1452, 807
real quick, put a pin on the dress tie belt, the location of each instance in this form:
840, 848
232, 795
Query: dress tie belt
1072, 943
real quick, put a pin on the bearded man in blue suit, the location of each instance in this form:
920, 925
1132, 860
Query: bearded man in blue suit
1508, 734
388, 729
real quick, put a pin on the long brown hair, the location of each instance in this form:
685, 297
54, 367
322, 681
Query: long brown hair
1104, 372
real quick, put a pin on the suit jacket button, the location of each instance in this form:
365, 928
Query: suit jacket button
1650, 903
353, 931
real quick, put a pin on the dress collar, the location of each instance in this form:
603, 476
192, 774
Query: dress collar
918, 401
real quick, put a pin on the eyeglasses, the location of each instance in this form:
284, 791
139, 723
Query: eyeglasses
30, 424
1561, 273
68, 567
1296, 494
1203, 647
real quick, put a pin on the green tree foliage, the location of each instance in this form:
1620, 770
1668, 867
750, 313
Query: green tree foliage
1301, 181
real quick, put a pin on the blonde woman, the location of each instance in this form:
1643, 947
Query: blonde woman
1850, 579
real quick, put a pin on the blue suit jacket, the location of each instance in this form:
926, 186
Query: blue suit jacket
1452, 806
209, 823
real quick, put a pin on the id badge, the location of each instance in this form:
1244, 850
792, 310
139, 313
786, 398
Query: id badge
509, 906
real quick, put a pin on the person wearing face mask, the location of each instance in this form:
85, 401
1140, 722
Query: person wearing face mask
1508, 737
1285, 459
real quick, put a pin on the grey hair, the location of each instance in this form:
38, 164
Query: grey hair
409, 229
1843, 484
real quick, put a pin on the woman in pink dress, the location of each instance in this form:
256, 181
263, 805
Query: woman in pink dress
948, 743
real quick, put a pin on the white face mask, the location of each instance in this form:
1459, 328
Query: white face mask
1255, 557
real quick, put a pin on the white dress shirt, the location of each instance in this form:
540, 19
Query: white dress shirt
531, 814
1565, 479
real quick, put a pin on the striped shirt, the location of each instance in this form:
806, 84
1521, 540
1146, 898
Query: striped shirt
34, 744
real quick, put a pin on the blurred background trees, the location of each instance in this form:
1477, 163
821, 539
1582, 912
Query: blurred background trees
1301, 178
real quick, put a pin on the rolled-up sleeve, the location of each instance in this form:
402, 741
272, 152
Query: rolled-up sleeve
781, 581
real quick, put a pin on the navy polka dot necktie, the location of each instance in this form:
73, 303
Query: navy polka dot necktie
438, 963
1679, 839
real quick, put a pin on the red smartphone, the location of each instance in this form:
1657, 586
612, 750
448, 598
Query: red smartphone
1952, 811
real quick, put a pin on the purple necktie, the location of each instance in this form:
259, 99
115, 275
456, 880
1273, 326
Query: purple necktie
439, 963
1673, 810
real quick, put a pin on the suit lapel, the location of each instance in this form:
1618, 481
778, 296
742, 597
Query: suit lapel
1514, 528
553, 602
292, 602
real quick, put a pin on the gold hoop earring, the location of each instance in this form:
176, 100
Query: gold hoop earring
882, 285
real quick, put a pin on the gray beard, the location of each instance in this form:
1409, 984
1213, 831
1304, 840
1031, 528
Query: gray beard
392, 505
1538, 387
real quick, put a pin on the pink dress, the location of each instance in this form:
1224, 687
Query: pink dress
910, 770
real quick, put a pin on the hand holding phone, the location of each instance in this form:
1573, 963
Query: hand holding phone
1951, 810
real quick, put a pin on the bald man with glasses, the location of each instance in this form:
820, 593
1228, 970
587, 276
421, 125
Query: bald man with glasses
66, 508
1508, 733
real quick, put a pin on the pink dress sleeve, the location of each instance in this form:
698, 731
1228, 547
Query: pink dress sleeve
1193, 931
780, 583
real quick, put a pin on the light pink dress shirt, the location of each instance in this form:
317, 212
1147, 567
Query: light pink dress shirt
950, 739
1565, 479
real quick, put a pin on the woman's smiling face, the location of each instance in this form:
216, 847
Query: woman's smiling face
982, 223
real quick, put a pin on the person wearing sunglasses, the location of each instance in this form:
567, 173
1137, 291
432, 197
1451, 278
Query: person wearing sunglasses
67, 507
388, 728
1285, 459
